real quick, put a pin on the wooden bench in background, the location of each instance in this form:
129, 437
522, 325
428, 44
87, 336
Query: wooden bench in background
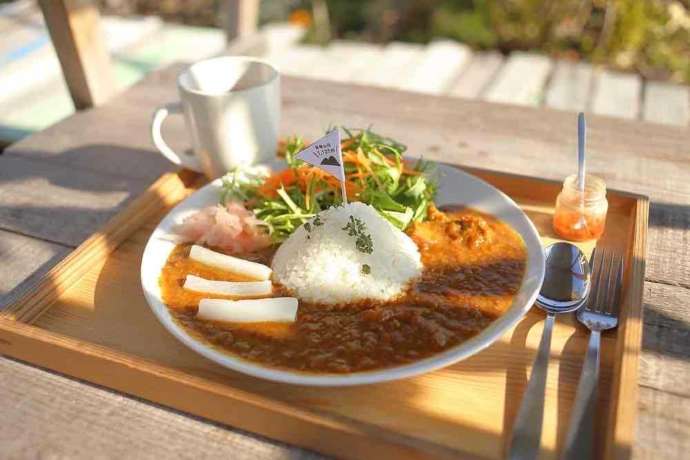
102, 56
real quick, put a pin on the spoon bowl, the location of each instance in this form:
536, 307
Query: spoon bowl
566, 280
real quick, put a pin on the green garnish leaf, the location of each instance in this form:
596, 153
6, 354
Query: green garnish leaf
363, 242
366, 269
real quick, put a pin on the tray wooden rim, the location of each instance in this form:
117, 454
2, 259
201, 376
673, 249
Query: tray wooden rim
21, 340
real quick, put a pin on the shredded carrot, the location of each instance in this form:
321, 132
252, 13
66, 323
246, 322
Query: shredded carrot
305, 174
284, 178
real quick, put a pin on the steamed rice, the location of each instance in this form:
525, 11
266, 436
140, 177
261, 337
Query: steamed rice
325, 266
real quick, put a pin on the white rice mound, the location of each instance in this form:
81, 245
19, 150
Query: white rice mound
327, 267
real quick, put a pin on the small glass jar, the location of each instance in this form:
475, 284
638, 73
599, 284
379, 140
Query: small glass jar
578, 217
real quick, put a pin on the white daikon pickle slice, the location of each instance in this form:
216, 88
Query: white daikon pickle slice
229, 263
233, 288
275, 309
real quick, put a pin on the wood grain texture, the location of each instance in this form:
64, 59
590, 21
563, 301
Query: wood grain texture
168, 189
645, 158
666, 103
56, 203
664, 365
621, 419
662, 430
669, 235
617, 94
75, 30
24, 261
50, 422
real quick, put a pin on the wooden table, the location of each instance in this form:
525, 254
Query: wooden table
60, 185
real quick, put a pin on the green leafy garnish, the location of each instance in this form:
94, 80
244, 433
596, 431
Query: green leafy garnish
366, 269
355, 227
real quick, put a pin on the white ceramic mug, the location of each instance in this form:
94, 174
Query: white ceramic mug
231, 106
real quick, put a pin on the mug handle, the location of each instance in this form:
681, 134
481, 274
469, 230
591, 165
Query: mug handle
161, 113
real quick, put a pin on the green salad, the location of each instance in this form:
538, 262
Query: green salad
375, 171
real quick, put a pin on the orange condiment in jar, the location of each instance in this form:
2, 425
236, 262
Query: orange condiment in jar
578, 217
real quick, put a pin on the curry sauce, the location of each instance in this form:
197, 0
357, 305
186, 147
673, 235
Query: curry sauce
473, 267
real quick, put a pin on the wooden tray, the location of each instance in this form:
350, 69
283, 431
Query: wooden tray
88, 318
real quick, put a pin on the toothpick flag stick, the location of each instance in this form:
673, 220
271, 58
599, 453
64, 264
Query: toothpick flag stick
325, 153
343, 192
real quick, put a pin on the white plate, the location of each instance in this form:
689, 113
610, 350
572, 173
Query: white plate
455, 187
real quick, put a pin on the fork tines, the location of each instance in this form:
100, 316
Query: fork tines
607, 276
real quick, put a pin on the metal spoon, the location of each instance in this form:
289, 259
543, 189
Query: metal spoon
566, 286
581, 167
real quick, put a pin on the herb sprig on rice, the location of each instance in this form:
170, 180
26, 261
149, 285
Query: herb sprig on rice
375, 172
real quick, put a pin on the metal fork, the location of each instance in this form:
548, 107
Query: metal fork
600, 313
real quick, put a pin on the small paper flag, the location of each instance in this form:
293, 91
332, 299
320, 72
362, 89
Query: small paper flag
325, 153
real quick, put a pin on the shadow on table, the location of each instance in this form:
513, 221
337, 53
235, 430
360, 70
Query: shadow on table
669, 215
664, 334
64, 197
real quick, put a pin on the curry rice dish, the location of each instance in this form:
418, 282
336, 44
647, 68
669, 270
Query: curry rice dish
460, 270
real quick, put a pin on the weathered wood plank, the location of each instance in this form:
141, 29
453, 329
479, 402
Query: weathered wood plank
666, 103
396, 65
669, 235
664, 364
478, 75
662, 426
521, 80
58, 203
570, 86
75, 31
440, 67
57, 417
24, 260
117, 143
617, 94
